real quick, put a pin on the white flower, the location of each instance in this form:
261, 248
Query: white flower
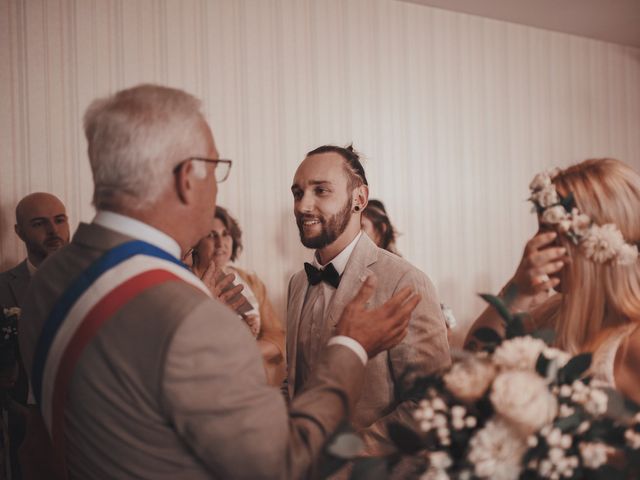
469, 380
560, 356
540, 181
633, 438
580, 222
520, 353
546, 197
496, 451
524, 399
440, 460
627, 254
602, 243
554, 215
596, 403
11, 311
594, 455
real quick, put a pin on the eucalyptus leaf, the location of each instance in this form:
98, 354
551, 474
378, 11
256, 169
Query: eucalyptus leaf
499, 305
370, 468
566, 424
487, 335
547, 335
574, 368
568, 202
515, 328
542, 365
406, 439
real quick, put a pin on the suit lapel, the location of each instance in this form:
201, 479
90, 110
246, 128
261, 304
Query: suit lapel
299, 286
364, 255
19, 282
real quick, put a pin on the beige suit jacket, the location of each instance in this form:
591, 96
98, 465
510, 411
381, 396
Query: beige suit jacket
425, 345
172, 386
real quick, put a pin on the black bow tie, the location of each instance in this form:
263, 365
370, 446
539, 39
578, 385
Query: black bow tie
329, 275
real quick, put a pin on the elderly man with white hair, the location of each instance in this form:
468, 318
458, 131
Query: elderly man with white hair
137, 370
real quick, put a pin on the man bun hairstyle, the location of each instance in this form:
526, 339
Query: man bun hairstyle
353, 166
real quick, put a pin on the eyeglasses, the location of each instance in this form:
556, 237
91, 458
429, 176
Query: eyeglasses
222, 166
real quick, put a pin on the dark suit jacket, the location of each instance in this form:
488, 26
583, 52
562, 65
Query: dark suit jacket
173, 387
13, 285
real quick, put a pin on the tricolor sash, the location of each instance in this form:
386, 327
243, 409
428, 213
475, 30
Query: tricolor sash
108, 284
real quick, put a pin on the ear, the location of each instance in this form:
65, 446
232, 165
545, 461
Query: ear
18, 229
361, 197
185, 182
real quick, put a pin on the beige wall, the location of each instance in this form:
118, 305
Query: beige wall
454, 113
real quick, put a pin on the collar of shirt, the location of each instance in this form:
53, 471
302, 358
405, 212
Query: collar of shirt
31, 268
340, 260
137, 229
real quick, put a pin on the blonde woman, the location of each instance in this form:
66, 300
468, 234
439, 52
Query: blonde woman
223, 245
580, 273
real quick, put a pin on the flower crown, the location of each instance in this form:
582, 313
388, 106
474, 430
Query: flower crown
599, 243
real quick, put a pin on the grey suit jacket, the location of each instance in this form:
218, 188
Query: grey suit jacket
172, 386
425, 345
13, 285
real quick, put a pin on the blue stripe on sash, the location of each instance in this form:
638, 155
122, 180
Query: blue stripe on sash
80, 285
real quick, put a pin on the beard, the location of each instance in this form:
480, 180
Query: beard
332, 227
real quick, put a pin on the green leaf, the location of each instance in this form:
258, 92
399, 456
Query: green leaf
510, 293
606, 472
566, 424
547, 335
574, 368
487, 335
542, 365
498, 304
568, 202
375, 468
515, 328
406, 439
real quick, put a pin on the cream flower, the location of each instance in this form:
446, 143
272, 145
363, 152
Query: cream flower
580, 222
602, 242
469, 380
540, 181
594, 455
545, 197
496, 451
522, 397
560, 356
554, 215
11, 311
627, 255
520, 353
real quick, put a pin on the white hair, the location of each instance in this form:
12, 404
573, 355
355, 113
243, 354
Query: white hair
135, 139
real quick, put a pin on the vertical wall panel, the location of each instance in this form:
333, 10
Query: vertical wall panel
454, 114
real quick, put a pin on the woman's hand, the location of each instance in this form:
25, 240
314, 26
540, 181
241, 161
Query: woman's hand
539, 260
221, 286
254, 323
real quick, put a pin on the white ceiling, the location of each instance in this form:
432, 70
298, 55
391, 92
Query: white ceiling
616, 21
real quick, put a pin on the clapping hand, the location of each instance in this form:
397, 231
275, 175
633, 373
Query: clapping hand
221, 287
380, 328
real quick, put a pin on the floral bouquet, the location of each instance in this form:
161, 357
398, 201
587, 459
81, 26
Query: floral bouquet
8, 336
517, 409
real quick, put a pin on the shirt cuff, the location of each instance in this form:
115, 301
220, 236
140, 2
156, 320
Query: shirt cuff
352, 344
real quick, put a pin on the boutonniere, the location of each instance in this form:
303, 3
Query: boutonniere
12, 312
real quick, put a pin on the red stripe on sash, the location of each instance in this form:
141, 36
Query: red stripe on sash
97, 316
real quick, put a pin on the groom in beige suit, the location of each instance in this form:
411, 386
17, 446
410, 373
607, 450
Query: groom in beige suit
170, 384
330, 191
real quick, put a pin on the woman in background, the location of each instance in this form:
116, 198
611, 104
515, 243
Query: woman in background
580, 274
375, 222
223, 245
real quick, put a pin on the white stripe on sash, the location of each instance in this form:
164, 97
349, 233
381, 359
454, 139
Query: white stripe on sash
102, 286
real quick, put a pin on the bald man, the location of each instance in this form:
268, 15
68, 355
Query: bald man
42, 224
